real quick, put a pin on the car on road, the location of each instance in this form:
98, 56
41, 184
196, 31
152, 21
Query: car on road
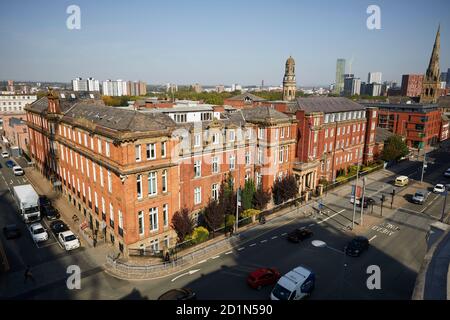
38, 232
420, 197
439, 188
58, 226
299, 235
447, 173
356, 246
263, 277
44, 200
401, 181
178, 294
5, 154
11, 231
68, 240
49, 212
368, 201
10, 164
294, 285
18, 171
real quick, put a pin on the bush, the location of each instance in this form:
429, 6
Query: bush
341, 178
230, 220
250, 213
199, 235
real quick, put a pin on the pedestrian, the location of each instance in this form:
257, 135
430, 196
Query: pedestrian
28, 275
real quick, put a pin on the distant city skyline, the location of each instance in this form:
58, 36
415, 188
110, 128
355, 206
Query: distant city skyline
218, 43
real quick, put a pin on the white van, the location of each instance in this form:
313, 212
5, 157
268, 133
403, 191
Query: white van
294, 285
401, 181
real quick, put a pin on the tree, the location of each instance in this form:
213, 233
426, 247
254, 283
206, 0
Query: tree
260, 199
284, 189
227, 196
182, 223
247, 194
394, 148
213, 215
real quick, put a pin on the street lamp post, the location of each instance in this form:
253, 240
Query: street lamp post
354, 196
362, 199
443, 207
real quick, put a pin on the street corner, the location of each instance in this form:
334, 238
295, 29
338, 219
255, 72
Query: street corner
368, 223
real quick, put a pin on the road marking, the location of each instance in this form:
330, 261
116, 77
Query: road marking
229, 252
372, 238
274, 237
429, 204
283, 234
331, 216
311, 224
242, 248
263, 241
184, 274
253, 244
215, 257
11, 182
203, 261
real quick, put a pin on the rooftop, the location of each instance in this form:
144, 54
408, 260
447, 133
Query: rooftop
246, 96
325, 104
382, 134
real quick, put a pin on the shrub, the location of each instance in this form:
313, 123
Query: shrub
230, 220
200, 235
341, 178
250, 213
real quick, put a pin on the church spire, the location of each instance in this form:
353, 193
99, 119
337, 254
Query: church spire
289, 83
430, 88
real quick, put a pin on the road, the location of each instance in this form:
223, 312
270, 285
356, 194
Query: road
397, 247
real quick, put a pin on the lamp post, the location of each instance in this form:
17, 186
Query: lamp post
354, 195
443, 207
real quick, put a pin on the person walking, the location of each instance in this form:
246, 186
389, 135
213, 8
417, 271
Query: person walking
28, 275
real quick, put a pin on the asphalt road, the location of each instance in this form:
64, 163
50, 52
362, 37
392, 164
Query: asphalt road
397, 247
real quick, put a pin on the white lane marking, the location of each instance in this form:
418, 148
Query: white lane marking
215, 257
311, 224
302, 228
229, 252
24, 180
283, 234
331, 216
203, 261
11, 182
372, 238
242, 248
184, 274
429, 204
253, 244
263, 241
274, 237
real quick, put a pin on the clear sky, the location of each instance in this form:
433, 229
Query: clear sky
218, 42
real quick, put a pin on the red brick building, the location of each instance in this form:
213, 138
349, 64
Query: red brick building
245, 100
333, 134
419, 124
411, 85
128, 172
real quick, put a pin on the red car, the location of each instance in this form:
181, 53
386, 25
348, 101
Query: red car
263, 277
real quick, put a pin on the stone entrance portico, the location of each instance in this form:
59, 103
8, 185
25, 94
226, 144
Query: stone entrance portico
306, 175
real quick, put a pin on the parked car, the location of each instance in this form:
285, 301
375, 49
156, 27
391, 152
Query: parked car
18, 171
447, 173
401, 181
294, 285
299, 235
38, 232
44, 200
439, 188
263, 277
58, 226
49, 212
356, 246
178, 294
420, 197
5, 154
68, 240
11, 231
10, 164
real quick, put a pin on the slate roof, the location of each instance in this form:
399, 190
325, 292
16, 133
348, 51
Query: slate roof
325, 104
382, 134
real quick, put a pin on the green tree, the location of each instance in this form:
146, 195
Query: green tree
247, 194
394, 148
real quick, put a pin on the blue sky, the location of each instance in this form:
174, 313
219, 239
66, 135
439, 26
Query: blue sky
218, 42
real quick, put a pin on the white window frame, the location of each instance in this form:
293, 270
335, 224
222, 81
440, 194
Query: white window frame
197, 195
139, 190
138, 152
153, 219
152, 183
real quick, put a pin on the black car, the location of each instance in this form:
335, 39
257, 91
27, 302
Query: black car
299, 235
356, 246
44, 201
178, 294
11, 231
49, 212
368, 201
58, 226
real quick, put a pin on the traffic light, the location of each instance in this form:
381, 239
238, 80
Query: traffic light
383, 198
